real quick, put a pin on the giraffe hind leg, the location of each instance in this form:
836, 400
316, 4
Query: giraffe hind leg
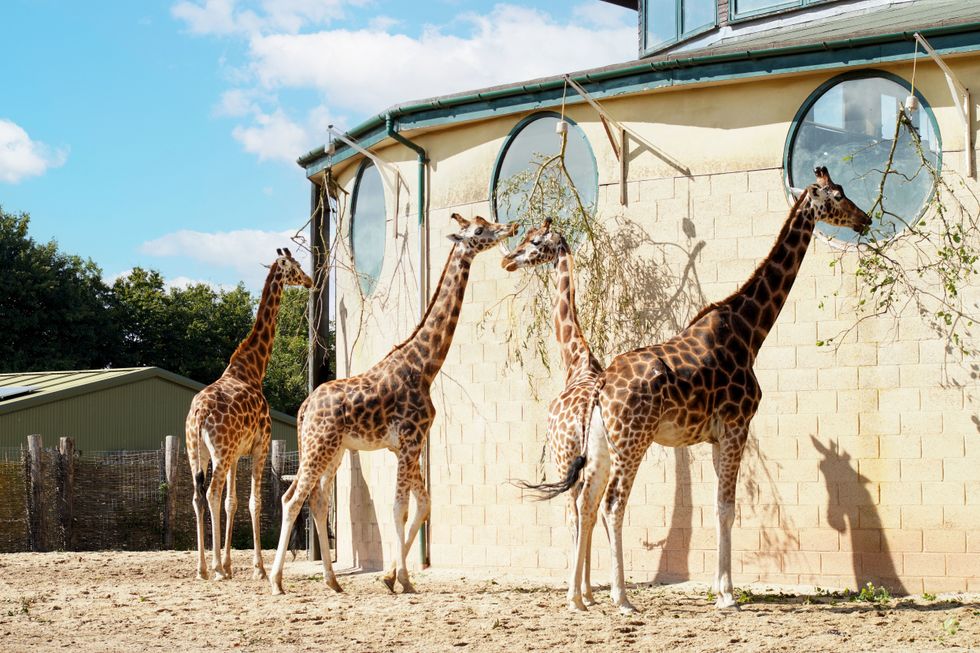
199, 459
320, 509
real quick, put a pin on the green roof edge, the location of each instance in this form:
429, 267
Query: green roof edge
317, 159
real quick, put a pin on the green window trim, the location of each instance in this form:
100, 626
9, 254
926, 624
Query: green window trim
367, 278
777, 7
647, 49
819, 92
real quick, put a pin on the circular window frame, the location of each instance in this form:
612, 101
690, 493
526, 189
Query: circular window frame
512, 136
355, 192
811, 99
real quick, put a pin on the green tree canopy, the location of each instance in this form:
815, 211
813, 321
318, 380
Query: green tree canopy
54, 307
191, 331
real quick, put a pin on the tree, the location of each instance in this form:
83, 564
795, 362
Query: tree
191, 331
54, 305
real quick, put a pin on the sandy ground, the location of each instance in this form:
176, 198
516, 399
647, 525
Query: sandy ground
121, 601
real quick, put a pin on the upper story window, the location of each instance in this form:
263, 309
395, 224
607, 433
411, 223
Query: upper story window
749, 8
848, 125
668, 21
367, 229
533, 140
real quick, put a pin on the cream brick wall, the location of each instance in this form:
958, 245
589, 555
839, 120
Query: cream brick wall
864, 461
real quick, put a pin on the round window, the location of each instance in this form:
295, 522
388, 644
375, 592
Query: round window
367, 231
848, 125
532, 142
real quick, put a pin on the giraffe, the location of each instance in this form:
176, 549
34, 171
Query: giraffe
230, 418
696, 387
389, 407
566, 412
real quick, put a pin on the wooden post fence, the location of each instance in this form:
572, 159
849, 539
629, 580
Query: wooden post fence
66, 491
171, 455
35, 499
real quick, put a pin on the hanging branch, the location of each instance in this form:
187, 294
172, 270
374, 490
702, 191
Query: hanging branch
626, 292
927, 264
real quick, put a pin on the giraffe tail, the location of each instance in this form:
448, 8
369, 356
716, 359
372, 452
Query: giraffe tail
545, 491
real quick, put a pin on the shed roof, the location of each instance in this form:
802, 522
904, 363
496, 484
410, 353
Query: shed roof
37, 388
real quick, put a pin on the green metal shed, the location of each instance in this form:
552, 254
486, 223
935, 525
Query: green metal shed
105, 410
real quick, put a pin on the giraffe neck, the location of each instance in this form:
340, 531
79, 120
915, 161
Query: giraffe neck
429, 343
759, 301
251, 359
575, 353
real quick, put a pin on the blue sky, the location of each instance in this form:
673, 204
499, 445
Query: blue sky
164, 134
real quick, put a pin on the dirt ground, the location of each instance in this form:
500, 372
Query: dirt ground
122, 601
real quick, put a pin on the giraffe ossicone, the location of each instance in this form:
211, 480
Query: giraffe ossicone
230, 418
697, 387
386, 407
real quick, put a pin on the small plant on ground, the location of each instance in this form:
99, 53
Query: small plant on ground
926, 596
871, 594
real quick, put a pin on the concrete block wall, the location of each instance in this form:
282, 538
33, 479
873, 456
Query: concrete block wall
863, 462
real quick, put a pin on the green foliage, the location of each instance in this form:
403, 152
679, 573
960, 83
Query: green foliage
54, 305
287, 378
57, 313
926, 596
626, 291
871, 594
191, 331
925, 266
951, 625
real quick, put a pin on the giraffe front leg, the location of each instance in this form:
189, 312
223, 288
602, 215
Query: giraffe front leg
255, 510
727, 457
409, 476
231, 507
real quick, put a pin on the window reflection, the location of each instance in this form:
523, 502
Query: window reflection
368, 227
527, 148
850, 128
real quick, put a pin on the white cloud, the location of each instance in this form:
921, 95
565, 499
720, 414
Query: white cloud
246, 251
21, 157
223, 17
294, 47
368, 70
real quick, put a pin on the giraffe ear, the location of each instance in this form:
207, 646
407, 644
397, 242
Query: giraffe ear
547, 224
456, 238
278, 252
796, 192
285, 250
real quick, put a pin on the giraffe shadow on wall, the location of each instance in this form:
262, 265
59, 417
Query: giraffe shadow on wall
856, 516
366, 542
674, 548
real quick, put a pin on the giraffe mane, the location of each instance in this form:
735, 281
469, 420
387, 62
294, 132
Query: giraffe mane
428, 309
273, 269
786, 225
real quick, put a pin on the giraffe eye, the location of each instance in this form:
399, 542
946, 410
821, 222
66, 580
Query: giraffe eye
536, 241
479, 230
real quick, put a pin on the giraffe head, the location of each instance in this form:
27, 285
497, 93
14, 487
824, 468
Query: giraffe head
478, 235
830, 205
539, 246
292, 271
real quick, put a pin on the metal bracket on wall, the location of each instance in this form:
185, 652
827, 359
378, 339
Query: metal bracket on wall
620, 141
389, 174
962, 102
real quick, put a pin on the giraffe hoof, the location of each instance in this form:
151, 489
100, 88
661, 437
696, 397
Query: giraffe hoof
202, 575
220, 575
726, 602
258, 574
588, 599
389, 582
576, 605
627, 608
408, 588
335, 586
277, 590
